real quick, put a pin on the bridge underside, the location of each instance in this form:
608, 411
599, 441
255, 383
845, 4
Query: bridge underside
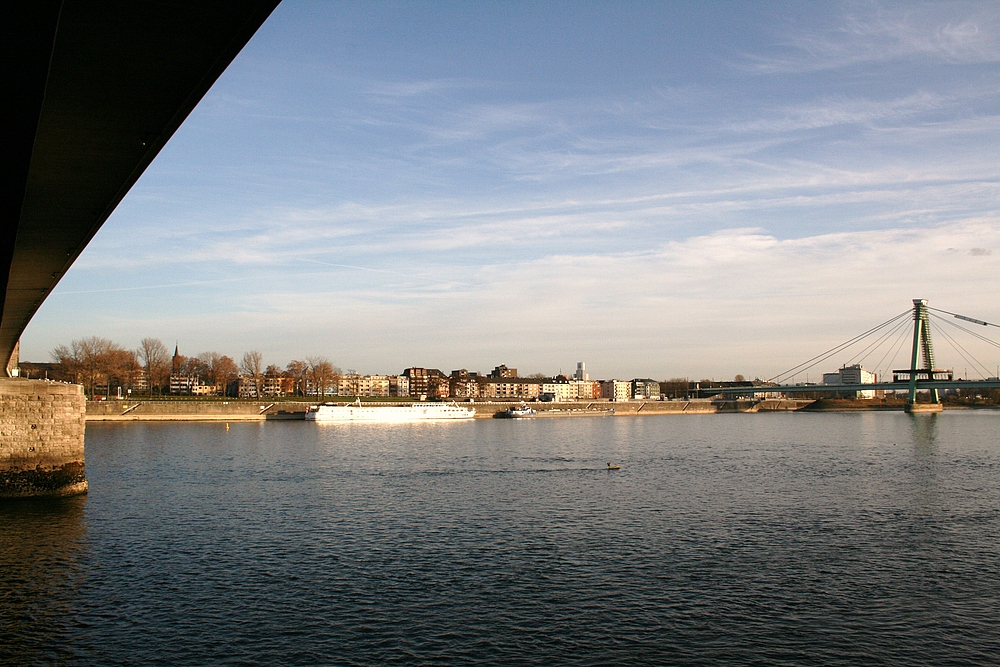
94, 90
898, 387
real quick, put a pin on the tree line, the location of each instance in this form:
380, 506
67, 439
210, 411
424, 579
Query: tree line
102, 366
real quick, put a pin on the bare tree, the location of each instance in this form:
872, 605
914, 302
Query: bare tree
208, 362
217, 369
89, 359
252, 365
300, 371
224, 371
179, 364
88, 352
322, 373
153, 356
193, 367
122, 367
676, 387
69, 362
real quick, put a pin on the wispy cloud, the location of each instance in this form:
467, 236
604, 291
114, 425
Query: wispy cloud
701, 300
420, 88
869, 32
834, 111
450, 233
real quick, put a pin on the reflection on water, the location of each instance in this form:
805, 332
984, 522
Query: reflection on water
924, 427
924, 487
41, 544
800, 539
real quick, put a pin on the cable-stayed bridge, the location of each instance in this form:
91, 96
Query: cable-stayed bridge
920, 376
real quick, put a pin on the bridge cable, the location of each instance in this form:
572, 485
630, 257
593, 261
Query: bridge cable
809, 363
901, 331
963, 352
894, 348
966, 318
806, 365
860, 357
950, 323
873, 346
970, 332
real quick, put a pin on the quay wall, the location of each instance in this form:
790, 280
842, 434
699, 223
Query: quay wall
242, 410
41, 438
192, 410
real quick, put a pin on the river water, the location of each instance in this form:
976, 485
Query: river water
770, 539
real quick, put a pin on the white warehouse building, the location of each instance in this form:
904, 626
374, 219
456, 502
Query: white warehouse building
855, 374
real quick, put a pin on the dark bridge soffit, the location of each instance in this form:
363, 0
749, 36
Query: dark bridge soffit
119, 79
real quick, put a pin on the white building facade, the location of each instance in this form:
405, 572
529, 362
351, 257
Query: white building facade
855, 374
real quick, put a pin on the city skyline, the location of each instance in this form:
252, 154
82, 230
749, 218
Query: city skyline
662, 190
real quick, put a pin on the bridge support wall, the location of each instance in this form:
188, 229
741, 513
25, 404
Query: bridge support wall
41, 438
916, 408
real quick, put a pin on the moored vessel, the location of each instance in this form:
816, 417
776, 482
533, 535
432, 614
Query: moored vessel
388, 414
519, 412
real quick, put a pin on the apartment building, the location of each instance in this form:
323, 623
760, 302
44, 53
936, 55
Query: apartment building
467, 387
183, 384
312, 389
587, 390
418, 378
438, 387
559, 391
645, 389
503, 372
616, 390
525, 389
399, 385
246, 387
277, 386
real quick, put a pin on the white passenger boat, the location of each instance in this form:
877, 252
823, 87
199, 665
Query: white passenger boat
388, 414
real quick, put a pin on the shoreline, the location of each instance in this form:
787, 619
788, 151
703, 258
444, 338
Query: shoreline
256, 411
235, 411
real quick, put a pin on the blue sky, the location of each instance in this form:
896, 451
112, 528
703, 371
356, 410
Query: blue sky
659, 189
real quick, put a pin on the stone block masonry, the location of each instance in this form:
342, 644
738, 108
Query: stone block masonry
41, 438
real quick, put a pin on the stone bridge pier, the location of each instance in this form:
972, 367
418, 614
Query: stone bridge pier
41, 438
95, 89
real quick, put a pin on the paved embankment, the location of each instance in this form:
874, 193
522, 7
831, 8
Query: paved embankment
241, 410
193, 410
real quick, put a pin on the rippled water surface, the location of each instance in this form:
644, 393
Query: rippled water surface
797, 539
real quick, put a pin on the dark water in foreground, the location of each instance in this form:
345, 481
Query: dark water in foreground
822, 539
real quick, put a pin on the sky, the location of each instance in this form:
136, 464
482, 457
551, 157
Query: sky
662, 189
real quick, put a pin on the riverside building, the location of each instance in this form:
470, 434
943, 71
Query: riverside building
616, 390
645, 389
854, 374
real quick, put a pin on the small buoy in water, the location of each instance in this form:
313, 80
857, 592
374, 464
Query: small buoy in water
613, 467
227, 426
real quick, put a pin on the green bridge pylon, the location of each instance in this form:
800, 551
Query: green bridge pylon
922, 347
